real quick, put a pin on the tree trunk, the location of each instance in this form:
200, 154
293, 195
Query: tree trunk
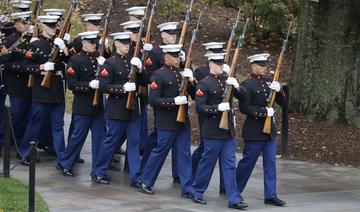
325, 81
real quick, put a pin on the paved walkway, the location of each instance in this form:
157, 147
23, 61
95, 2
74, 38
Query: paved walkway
305, 187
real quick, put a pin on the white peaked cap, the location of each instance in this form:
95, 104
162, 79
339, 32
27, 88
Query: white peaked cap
20, 4
53, 11
89, 34
258, 57
168, 26
121, 35
215, 56
136, 10
92, 17
48, 18
131, 24
171, 48
22, 15
214, 45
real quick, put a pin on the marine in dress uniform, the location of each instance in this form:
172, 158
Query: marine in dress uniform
254, 104
16, 81
200, 73
164, 97
218, 143
154, 61
92, 23
20, 5
121, 121
46, 102
81, 72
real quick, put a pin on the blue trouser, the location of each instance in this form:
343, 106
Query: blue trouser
71, 128
165, 141
196, 157
225, 151
20, 115
81, 126
2, 109
117, 129
174, 170
252, 150
151, 143
40, 114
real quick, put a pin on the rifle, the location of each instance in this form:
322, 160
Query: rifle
102, 50
55, 50
184, 27
230, 41
34, 22
130, 103
142, 89
13, 47
268, 120
224, 122
184, 85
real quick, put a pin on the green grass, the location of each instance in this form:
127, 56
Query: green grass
14, 196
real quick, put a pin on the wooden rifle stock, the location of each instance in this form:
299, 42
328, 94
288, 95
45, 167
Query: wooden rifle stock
181, 115
231, 38
130, 103
102, 51
34, 22
184, 26
55, 52
224, 122
268, 120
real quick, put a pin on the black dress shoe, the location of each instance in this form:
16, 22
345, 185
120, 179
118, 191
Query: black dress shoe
275, 201
25, 162
186, 195
145, 189
100, 180
79, 160
176, 180
239, 205
199, 200
222, 191
59, 167
67, 173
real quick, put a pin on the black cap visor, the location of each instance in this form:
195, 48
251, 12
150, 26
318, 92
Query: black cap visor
51, 25
261, 62
92, 41
95, 22
171, 32
218, 62
134, 30
174, 54
124, 41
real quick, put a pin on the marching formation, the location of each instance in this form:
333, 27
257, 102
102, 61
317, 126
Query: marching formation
116, 89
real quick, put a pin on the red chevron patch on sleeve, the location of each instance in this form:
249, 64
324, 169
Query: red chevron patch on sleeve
104, 73
154, 85
28, 55
148, 62
70, 71
199, 93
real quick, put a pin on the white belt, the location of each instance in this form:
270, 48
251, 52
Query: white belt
58, 73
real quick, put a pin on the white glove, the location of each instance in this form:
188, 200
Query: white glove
34, 39
94, 84
232, 81
226, 68
129, 86
188, 73
106, 42
49, 66
31, 29
67, 37
270, 111
101, 60
275, 85
60, 43
136, 62
225, 106
182, 56
180, 100
148, 46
